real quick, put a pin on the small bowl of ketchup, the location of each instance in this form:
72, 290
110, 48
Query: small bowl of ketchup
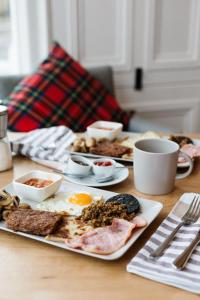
103, 167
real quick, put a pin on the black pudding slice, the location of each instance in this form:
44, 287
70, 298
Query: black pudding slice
130, 201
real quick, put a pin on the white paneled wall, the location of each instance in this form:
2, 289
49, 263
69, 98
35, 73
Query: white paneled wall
160, 36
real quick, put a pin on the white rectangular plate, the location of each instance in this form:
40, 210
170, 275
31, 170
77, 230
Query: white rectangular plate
150, 209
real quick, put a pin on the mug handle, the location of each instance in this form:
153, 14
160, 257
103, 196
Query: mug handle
191, 164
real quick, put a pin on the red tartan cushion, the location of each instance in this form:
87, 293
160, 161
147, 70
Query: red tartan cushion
61, 92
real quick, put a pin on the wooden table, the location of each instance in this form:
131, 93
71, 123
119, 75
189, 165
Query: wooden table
32, 270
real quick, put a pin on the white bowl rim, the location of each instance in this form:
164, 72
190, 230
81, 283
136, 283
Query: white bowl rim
116, 125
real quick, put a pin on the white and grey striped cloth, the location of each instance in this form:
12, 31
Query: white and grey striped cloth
161, 269
46, 144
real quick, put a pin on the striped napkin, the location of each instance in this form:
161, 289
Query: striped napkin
46, 144
161, 269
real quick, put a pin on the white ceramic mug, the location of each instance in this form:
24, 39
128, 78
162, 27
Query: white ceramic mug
155, 166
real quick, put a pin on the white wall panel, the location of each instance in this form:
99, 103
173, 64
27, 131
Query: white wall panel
104, 33
98, 30
172, 36
172, 33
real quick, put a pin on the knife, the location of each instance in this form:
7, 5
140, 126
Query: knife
181, 261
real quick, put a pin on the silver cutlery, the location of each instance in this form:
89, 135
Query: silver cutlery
190, 217
181, 260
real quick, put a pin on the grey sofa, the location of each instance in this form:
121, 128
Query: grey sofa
105, 75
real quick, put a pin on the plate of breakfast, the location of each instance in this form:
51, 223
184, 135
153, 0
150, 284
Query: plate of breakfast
120, 148
81, 219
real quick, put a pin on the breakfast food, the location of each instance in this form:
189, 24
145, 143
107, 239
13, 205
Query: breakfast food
102, 213
139, 222
105, 240
38, 182
33, 221
81, 219
102, 147
187, 146
131, 203
192, 150
72, 203
8, 203
68, 228
181, 140
83, 144
108, 148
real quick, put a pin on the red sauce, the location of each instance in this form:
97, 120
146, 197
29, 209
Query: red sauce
38, 183
103, 163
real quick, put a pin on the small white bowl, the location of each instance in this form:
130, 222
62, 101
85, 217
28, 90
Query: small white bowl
104, 129
34, 193
76, 168
103, 171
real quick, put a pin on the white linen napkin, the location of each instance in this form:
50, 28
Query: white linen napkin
46, 143
161, 269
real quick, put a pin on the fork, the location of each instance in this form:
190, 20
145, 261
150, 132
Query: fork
190, 217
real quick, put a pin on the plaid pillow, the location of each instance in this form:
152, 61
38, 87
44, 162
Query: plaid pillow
61, 92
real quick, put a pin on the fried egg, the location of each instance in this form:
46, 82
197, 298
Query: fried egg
72, 203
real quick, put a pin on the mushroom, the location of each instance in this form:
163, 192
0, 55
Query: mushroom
77, 145
76, 148
78, 142
8, 203
5, 198
16, 201
5, 214
90, 142
83, 147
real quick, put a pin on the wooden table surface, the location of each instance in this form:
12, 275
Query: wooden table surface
33, 270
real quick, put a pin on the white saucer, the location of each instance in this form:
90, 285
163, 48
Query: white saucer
120, 175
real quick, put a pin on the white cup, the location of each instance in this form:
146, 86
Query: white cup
155, 166
103, 171
79, 165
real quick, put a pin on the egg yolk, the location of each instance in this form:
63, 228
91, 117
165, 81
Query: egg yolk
80, 199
